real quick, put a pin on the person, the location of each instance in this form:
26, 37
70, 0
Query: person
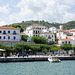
27, 54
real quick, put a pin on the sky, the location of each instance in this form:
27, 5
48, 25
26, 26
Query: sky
14, 11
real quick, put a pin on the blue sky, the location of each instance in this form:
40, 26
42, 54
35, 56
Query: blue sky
13, 11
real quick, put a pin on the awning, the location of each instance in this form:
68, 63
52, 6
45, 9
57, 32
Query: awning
2, 50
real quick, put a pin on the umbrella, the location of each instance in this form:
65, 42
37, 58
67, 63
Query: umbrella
2, 50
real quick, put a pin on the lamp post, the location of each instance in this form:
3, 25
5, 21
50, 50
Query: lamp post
23, 50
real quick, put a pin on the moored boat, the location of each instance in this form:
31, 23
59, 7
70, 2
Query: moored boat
53, 59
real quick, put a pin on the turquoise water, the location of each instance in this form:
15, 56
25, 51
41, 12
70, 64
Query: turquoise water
38, 68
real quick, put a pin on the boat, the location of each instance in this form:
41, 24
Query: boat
53, 59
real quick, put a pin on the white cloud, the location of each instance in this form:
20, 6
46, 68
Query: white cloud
2, 23
48, 10
4, 9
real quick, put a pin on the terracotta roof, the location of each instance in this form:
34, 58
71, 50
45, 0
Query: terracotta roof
9, 41
67, 39
72, 36
72, 31
7, 28
65, 31
22, 34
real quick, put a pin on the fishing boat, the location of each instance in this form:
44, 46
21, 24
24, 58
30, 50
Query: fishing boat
53, 59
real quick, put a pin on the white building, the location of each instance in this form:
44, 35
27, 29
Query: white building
9, 35
55, 30
49, 36
34, 30
66, 36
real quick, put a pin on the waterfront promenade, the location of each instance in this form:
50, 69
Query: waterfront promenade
32, 58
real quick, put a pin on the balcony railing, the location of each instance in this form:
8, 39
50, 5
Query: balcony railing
4, 33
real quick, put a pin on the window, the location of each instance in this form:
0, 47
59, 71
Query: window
4, 32
69, 42
14, 32
52, 35
14, 37
46, 35
62, 42
0, 37
34, 31
4, 37
0, 31
38, 31
8, 37
8, 31
65, 41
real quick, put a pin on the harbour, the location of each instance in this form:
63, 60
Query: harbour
33, 58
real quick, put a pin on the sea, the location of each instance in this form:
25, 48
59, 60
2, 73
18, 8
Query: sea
38, 68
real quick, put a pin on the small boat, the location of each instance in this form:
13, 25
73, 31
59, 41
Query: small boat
53, 59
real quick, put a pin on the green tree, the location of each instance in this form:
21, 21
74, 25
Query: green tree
66, 47
39, 40
54, 48
45, 51
24, 38
27, 46
35, 48
18, 47
44, 46
17, 25
73, 48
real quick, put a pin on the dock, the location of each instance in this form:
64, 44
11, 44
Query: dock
33, 58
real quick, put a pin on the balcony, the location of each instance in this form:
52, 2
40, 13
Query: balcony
14, 33
4, 33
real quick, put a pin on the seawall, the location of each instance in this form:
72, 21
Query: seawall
31, 59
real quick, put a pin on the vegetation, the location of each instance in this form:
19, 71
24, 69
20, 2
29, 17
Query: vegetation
25, 24
24, 38
17, 25
66, 47
39, 40
73, 48
54, 48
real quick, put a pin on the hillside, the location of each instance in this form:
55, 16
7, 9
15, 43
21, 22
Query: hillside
68, 25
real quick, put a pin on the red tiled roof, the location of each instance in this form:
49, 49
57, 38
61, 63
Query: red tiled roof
72, 31
9, 41
72, 36
65, 31
67, 39
7, 28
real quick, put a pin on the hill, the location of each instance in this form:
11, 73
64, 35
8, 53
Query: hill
68, 25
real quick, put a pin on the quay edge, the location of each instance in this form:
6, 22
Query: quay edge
31, 59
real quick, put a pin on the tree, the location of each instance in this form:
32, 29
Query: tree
40, 40
73, 48
35, 48
54, 48
66, 47
17, 25
45, 51
24, 38
18, 47
56, 39
27, 46
44, 46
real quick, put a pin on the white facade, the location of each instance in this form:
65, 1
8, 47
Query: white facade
9, 34
55, 30
34, 30
49, 36
66, 36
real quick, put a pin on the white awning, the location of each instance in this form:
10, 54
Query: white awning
2, 50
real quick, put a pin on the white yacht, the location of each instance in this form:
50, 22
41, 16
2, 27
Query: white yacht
53, 59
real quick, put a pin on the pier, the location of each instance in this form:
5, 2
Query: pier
33, 58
